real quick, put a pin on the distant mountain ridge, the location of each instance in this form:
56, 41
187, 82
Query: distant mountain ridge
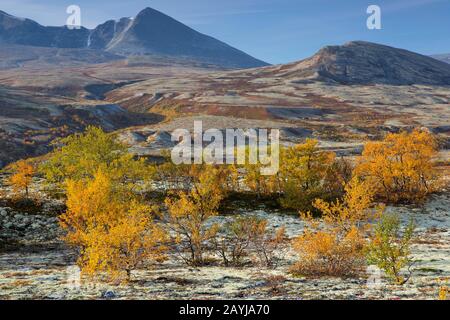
360, 62
15, 30
149, 33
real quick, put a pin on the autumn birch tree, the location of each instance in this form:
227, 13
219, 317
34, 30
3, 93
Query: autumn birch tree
303, 170
112, 227
400, 168
189, 212
22, 176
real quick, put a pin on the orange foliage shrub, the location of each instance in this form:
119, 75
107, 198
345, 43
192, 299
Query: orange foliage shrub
22, 177
335, 245
128, 243
400, 168
331, 252
354, 209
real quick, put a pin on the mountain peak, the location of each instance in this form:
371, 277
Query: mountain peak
361, 62
359, 43
155, 33
150, 15
151, 32
150, 11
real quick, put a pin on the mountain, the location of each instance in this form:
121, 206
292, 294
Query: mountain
153, 32
362, 62
15, 30
359, 85
442, 57
100, 37
149, 33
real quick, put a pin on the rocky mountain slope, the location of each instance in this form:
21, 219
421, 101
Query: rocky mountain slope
14, 30
29, 122
310, 98
361, 85
362, 62
342, 94
149, 33
153, 32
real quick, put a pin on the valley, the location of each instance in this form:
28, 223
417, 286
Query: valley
287, 96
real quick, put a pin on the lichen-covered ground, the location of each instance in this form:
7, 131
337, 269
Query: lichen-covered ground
45, 269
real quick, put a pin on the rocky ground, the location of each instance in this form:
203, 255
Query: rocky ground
27, 228
39, 266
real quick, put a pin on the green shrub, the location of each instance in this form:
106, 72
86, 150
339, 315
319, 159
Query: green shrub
389, 248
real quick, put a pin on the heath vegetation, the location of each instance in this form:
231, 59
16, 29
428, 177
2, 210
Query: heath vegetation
117, 225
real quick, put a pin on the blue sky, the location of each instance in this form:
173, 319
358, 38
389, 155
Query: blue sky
277, 31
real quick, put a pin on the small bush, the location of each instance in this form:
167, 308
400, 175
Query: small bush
249, 237
189, 212
236, 241
334, 246
389, 249
268, 245
400, 168
329, 253
303, 171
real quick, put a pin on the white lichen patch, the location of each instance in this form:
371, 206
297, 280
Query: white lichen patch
47, 271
